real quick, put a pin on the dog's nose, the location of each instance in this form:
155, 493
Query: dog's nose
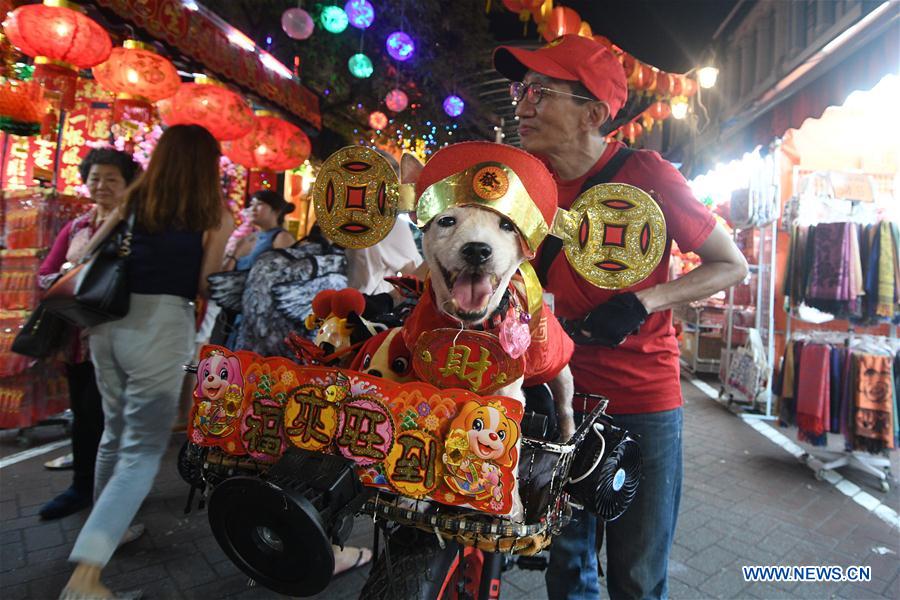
493, 436
210, 378
374, 373
476, 253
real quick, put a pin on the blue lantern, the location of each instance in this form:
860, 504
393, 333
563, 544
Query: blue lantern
360, 13
360, 66
400, 46
454, 106
334, 19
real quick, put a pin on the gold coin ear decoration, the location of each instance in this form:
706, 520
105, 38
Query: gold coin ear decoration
355, 197
614, 235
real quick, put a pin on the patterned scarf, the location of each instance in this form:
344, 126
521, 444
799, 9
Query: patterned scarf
830, 276
873, 399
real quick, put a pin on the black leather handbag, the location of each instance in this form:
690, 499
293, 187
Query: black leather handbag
96, 290
41, 335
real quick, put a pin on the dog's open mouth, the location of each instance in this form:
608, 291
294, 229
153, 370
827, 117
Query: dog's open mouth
470, 292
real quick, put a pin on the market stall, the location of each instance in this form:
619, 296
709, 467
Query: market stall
75, 77
821, 211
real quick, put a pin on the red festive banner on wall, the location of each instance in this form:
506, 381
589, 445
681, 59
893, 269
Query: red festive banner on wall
88, 121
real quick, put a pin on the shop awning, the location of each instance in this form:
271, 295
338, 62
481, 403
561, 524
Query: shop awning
201, 36
860, 135
787, 108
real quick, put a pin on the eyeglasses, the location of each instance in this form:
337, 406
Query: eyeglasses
533, 92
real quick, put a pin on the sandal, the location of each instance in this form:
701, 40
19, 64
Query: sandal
363, 558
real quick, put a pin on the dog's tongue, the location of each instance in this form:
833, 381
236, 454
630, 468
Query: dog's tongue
471, 291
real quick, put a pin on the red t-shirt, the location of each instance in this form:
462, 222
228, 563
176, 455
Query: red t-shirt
641, 375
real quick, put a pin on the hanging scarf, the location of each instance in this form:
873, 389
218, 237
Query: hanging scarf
895, 236
885, 307
834, 425
786, 399
813, 393
871, 298
874, 403
829, 276
847, 409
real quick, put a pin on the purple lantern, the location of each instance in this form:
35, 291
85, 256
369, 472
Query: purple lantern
396, 100
297, 23
360, 13
454, 106
400, 46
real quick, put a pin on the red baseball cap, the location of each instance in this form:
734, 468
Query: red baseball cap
570, 58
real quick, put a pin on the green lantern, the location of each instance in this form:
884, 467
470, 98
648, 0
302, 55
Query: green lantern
360, 66
334, 19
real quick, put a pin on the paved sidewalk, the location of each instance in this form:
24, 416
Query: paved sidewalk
746, 502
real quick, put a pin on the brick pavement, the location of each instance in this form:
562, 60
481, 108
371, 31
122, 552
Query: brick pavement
745, 501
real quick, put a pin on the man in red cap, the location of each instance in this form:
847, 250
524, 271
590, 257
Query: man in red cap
627, 351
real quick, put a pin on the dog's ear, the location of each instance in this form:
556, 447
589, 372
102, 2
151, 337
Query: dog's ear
410, 168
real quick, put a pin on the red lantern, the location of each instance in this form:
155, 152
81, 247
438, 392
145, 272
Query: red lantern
562, 20
211, 105
541, 14
61, 40
378, 120
659, 110
689, 87
629, 64
139, 76
677, 85
642, 77
663, 84
632, 131
273, 144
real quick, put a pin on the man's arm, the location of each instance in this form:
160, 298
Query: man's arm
722, 265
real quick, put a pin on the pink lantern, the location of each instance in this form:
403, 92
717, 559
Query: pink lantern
396, 100
378, 120
297, 23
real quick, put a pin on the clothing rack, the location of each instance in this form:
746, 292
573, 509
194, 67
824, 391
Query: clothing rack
818, 200
820, 460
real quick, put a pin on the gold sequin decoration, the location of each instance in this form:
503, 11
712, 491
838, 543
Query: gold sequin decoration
614, 235
355, 197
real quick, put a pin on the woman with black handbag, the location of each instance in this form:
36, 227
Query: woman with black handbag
106, 173
181, 225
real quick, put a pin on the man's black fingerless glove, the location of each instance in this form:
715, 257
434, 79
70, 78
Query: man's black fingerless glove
610, 323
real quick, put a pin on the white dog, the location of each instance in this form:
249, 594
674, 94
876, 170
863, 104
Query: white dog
472, 254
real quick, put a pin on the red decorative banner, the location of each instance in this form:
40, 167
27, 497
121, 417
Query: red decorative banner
88, 121
450, 446
202, 36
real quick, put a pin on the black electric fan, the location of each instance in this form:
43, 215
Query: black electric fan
606, 470
279, 530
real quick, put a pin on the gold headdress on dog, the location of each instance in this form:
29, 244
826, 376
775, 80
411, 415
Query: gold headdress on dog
614, 235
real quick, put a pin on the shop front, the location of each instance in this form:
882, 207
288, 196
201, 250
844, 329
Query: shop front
177, 64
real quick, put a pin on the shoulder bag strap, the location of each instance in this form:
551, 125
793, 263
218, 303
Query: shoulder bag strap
552, 245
